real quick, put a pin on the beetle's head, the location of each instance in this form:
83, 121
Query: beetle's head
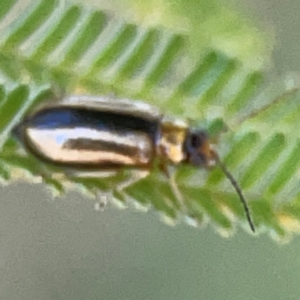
198, 149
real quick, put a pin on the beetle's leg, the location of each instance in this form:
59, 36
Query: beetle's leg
286, 95
134, 176
164, 169
171, 175
91, 174
103, 199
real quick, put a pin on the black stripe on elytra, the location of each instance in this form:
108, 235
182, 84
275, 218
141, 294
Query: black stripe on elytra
69, 117
100, 145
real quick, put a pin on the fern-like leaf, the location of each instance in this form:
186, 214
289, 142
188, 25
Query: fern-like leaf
84, 50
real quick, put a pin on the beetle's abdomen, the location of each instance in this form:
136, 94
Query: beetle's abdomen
87, 138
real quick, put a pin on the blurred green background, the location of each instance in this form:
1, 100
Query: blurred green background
64, 249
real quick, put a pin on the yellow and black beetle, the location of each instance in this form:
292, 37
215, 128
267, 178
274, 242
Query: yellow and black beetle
99, 133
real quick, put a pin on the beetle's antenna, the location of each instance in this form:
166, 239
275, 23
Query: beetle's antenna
237, 188
265, 107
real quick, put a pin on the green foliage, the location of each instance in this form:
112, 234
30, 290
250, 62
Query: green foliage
84, 50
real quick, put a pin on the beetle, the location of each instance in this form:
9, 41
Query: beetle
97, 133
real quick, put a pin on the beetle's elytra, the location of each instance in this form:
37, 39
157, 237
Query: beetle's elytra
99, 133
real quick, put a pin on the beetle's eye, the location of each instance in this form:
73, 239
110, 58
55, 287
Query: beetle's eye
195, 141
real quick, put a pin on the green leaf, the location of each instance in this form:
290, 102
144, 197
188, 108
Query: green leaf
86, 50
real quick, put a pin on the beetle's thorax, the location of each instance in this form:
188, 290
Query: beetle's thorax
170, 146
180, 144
